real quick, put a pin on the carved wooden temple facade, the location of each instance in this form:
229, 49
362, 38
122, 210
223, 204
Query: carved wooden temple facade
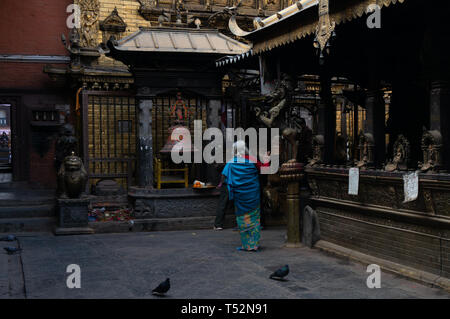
361, 95
389, 118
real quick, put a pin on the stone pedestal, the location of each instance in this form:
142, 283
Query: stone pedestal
73, 217
291, 174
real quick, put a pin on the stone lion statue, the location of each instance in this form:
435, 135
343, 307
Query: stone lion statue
72, 177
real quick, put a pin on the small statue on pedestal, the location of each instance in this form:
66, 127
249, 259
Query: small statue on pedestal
366, 145
317, 150
401, 155
72, 208
432, 151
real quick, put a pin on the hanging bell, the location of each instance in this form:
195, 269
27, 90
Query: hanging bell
178, 134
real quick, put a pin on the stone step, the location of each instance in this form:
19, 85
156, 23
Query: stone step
4, 281
36, 224
19, 211
26, 202
160, 224
24, 198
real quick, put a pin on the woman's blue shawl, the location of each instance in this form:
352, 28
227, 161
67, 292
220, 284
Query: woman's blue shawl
243, 184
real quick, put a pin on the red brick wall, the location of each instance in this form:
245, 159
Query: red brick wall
33, 26
42, 169
20, 75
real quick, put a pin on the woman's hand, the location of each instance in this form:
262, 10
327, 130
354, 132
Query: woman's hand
219, 186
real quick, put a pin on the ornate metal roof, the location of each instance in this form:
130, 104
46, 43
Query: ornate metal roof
180, 40
281, 28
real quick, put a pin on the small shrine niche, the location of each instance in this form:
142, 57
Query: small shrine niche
318, 145
401, 156
365, 147
432, 151
175, 113
113, 25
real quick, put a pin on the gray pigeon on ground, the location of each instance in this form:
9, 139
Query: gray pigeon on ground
162, 288
8, 238
12, 250
280, 273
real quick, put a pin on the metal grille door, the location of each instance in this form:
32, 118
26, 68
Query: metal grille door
109, 127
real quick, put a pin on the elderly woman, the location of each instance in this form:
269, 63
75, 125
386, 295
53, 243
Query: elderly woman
242, 177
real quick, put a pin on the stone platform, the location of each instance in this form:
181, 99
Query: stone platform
173, 203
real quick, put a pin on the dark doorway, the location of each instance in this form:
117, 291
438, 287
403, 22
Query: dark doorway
5, 144
14, 158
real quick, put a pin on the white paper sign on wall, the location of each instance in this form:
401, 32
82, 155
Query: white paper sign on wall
353, 181
411, 186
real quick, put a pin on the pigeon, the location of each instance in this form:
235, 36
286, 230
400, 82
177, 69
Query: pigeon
8, 238
162, 288
280, 273
12, 250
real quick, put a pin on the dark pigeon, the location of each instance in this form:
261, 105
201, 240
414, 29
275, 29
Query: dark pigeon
12, 250
280, 273
162, 288
8, 238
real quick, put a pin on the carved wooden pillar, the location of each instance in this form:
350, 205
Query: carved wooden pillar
375, 108
440, 115
145, 142
326, 114
213, 120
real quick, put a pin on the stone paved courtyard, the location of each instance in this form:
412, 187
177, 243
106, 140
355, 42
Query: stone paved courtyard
200, 264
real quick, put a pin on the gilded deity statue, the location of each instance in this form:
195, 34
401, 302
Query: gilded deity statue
432, 151
90, 11
365, 148
401, 155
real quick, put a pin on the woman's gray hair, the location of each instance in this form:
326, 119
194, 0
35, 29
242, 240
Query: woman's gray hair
239, 149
